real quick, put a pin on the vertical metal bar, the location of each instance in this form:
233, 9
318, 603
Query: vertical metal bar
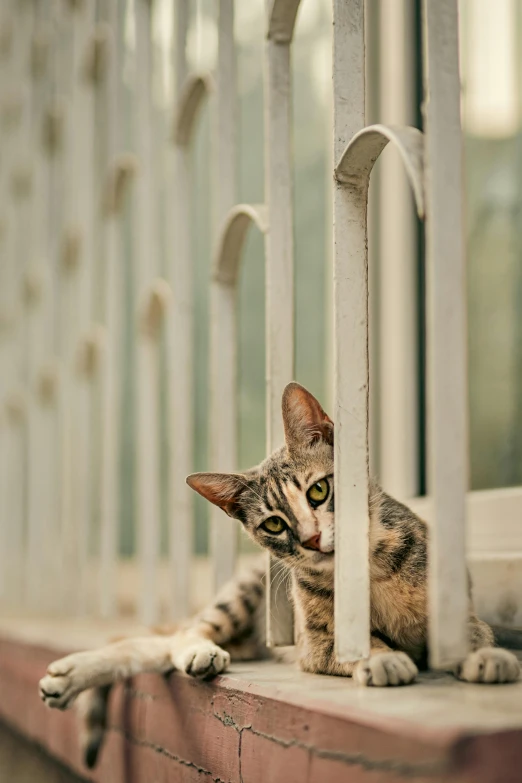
148, 472
97, 366
279, 278
223, 325
352, 568
22, 184
9, 319
182, 385
85, 217
118, 173
148, 475
9, 287
180, 352
51, 143
329, 165
181, 23
39, 576
226, 114
398, 328
18, 187
373, 61
78, 257
6, 46
446, 334
64, 260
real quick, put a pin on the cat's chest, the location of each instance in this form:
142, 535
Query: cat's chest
399, 610
314, 606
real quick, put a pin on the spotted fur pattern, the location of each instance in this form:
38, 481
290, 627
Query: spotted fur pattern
287, 506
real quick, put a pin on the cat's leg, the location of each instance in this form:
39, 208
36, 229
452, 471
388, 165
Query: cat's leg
88, 677
92, 710
235, 621
486, 663
196, 649
69, 676
384, 666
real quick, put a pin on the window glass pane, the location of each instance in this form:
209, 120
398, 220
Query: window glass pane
491, 59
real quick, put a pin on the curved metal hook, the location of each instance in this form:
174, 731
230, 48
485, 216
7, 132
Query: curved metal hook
232, 238
358, 158
196, 89
281, 20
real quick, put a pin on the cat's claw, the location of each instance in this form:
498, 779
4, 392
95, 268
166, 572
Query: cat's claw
202, 660
489, 665
385, 669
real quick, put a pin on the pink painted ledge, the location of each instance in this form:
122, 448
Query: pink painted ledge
239, 729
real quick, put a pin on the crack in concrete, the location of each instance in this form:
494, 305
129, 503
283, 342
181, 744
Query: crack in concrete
240, 749
164, 752
403, 768
409, 770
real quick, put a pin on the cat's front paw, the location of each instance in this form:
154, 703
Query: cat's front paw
384, 669
203, 660
489, 665
63, 682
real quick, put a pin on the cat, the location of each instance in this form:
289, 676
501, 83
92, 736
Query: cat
286, 505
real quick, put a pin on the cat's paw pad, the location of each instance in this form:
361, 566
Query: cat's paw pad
64, 680
204, 660
384, 669
489, 665
56, 688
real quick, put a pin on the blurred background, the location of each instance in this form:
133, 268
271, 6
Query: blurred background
93, 539
491, 68
92, 536
491, 73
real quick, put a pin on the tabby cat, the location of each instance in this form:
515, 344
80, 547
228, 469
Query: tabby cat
286, 505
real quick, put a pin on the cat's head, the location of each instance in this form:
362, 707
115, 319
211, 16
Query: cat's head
286, 504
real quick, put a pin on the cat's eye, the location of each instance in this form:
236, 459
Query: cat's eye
274, 525
318, 492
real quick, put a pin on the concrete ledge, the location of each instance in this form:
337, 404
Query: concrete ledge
263, 724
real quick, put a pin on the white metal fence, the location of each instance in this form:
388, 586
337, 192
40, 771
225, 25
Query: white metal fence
68, 188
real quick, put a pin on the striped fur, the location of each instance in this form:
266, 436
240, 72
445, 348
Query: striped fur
287, 505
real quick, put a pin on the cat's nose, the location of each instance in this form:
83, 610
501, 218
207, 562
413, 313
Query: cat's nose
314, 542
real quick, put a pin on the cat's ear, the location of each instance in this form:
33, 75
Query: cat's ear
222, 489
304, 419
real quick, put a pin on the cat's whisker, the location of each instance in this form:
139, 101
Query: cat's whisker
275, 584
284, 579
